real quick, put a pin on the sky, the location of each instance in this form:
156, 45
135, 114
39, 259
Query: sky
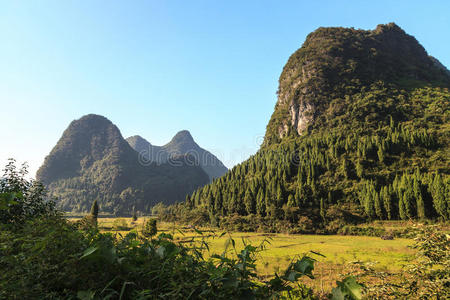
157, 67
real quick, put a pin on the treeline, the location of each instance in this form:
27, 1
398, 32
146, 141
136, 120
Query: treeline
410, 196
309, 174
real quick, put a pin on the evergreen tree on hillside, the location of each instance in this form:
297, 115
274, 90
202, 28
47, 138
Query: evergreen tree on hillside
94, 209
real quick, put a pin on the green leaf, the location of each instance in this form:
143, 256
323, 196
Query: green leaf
349, 288
305, 266
354, 288
89, 251
292, 276
198, 231
85, 295
160, 251
7, 199
337, 294
122, 291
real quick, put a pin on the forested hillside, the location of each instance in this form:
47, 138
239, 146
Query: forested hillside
92, 161
360, 131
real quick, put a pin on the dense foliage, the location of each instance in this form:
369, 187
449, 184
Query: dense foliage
48, 257
93, 161
426, 277
375, 146
21, 199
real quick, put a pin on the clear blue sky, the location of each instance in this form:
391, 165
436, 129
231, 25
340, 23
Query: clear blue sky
156, 67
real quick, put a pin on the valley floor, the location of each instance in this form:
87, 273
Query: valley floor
342, 254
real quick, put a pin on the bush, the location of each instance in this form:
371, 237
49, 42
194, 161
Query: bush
86, 223
427, 277
120, 224
365, 231
149, 228
22, 199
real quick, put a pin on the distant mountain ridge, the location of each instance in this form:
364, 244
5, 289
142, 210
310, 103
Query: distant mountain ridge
93, 161
181, 144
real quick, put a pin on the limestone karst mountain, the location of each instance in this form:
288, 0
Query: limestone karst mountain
360, 130
93, 161
181, 144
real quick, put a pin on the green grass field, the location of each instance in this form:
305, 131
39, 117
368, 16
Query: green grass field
341, 252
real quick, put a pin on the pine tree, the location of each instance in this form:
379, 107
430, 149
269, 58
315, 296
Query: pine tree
344, 168
369, 203
378, 205
297, 197
260, 203
408, 200
440, 202
134, 217
249, 203
380, 154
280, 198
387, 202
359, 169
94, 210
418, 195
322, 209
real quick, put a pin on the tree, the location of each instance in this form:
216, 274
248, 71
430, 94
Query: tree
419, 199
249, 202
94, 209
380, 154
440, 202
20, 198
385, 195
378, 205
322, 209
359, 169
344, 168
150, 228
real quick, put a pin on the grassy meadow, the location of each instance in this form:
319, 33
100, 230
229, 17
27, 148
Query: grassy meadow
342, 254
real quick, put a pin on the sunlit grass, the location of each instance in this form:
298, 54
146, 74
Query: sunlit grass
339, 251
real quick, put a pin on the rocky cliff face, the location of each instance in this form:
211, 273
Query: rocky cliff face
332, 60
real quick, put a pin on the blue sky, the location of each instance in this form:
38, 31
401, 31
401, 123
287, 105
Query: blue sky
156, 67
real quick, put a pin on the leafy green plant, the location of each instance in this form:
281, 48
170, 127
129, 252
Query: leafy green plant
347, 289
426, 277
149, 228
20, 198
94, 209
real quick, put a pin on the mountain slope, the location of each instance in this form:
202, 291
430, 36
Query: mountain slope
181, 144
360, 131
93, 161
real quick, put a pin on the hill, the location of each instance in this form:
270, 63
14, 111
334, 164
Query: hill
360, 131
93, 161
181, 144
